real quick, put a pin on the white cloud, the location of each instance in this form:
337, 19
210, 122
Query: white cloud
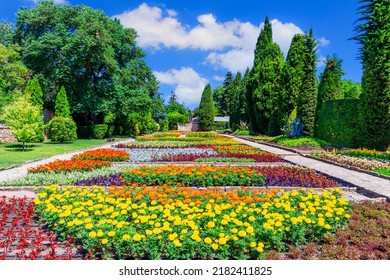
188, 84
172, 13
323, 41
218, 78
56, 2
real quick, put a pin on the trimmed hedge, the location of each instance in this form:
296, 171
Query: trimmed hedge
338, 122
99, 131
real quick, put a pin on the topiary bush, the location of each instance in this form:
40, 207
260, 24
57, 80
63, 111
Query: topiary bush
62, 129
99, 130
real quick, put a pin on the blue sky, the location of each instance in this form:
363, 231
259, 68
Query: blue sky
191, 43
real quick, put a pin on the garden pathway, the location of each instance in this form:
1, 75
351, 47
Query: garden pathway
21, 171
371, 185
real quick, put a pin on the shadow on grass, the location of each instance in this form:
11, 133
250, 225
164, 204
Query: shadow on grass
19, 147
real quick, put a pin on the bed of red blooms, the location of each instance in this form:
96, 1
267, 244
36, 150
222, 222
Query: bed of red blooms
70, 165
21, 238
103, 154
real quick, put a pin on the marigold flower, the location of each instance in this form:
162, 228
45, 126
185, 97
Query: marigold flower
137, 237
126, 237
92, 234
111, 233
104, 241
214, 246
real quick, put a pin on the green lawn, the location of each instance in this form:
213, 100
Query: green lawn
299, 141
12, 153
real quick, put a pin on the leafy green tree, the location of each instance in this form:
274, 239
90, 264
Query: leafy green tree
224, 104
206, 113
291, 80
217, 97
373, 34
307, 97
25, 121
264, 82
61, 108
93, 55
175, 118
351, 89
34, 92
62, 129
6, 33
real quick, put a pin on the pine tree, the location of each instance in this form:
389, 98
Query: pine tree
206, 106
61, 108
235, 101
172, 98
33, 91
225, 99
373, 34
291, 80
307, 97
330, 86
264, 81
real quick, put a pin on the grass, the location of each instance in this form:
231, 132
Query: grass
12, 153
299, 141
383, 171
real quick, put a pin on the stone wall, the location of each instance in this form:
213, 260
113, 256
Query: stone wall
6, 135
190, 126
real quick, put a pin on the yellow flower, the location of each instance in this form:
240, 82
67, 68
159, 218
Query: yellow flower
92, 234
104, 241
347, 216
177, 243
100, 233
222, 240
259, 249
242, 233
89, 226
249, 230
137, 237
156, 231
210, 224
328, 214
252, 244
70, 224
208, 240
111, 233
327, 226
148, 232
214, 246
126, 237
251, 218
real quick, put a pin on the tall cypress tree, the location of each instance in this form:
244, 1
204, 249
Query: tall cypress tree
243, 105
33, 91
61, 107
206, 110
373, 34
264, 81
307, 97
291, 80
225, 99
330, 86
235, 93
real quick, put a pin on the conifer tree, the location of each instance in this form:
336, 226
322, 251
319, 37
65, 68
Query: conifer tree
373, 34
235, 93
291, 80
330, 86
33, 91
264, 81
225, 99
307, 97
61, 108
206, 110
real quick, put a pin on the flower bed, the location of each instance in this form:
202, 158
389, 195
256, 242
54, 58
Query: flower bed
281, 176
103, 155
373, 154
200, 175
70, 165
362, 163
22, 239
178, 223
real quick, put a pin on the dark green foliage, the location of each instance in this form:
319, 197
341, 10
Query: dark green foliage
33, 91
235, 106
206, 107
84, 132
307, 97
140, 124
291, 80
6, 33
337, 123
224, 104
99, 131
264, 82
177, 113
330, 86
373, 34
62, 129
61, 108
351, 89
